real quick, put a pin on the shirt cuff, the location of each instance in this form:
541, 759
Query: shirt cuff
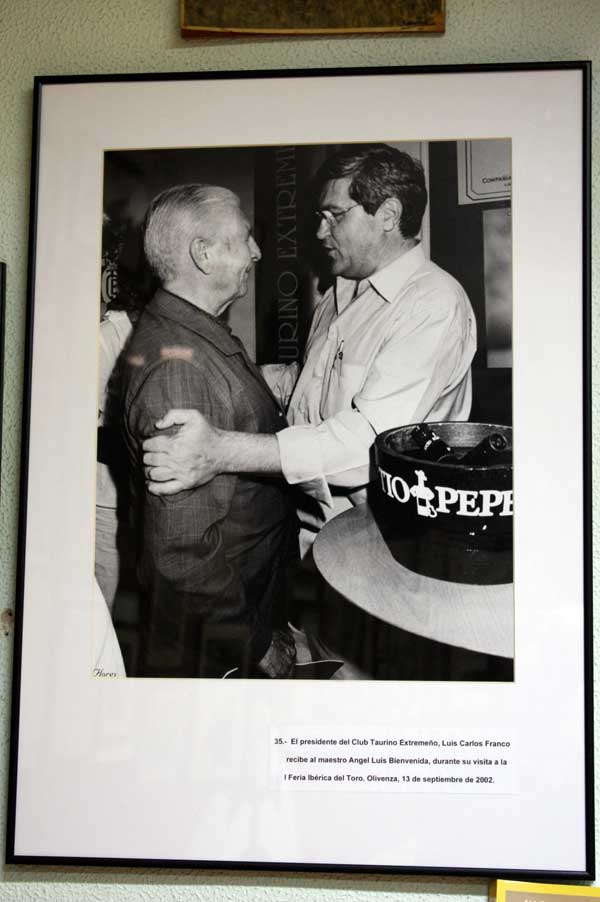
301, 462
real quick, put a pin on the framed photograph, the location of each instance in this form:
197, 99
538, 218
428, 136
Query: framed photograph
308, 407
227, 18
2, 342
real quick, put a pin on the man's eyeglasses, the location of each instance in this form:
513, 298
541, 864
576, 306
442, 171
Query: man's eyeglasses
331, 218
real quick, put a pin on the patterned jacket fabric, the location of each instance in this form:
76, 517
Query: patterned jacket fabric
212, 559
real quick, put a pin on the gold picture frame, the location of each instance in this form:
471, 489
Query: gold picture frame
228, 18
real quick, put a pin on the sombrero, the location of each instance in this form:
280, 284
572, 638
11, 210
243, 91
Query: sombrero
354, 558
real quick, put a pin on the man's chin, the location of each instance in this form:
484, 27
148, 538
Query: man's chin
335, 263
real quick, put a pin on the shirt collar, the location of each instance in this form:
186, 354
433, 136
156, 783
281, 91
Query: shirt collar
387, 282
165, 303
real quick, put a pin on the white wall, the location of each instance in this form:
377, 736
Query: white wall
93, 36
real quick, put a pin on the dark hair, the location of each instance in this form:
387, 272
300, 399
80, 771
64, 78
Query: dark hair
379, 171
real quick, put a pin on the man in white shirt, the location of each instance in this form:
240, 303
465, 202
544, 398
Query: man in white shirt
391, 343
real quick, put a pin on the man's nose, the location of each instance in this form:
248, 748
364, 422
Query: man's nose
323, 228
254, 250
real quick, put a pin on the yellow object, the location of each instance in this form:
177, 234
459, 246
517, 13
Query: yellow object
518, 891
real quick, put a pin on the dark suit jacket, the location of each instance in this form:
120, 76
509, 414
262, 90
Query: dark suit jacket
213, 559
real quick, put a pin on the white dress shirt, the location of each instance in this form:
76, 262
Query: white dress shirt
396, 351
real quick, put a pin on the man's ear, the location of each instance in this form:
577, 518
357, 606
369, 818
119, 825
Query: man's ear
200, 254
391, 213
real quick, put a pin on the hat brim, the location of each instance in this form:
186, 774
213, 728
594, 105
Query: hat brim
353, 557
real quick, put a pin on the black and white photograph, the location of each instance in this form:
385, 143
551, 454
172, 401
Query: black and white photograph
298, 586
304, 436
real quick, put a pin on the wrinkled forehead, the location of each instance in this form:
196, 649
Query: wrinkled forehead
335, 194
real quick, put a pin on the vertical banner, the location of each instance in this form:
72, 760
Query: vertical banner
285, 285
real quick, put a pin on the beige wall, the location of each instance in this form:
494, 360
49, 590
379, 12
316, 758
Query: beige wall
93, 36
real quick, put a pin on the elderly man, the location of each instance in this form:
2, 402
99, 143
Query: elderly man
213, 558
391, 343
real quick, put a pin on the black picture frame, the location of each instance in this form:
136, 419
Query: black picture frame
104, 738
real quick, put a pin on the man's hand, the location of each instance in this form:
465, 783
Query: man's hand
198, 451
184, 460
